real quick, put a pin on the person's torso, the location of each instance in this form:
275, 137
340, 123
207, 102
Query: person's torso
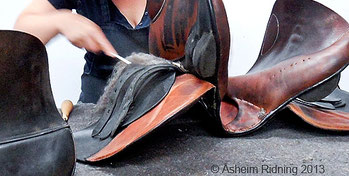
119, 32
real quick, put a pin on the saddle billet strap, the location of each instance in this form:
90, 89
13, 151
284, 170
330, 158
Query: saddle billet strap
113, 96
153, 89
125, 98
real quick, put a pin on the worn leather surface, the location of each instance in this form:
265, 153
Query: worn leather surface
196, 45
154, 8
305, 44
138, 89
186, 91
330, 113
34, 139
196, 33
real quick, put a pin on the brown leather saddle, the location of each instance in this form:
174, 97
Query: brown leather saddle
302, 54
34, 139
198, 44
304, 49
298, 40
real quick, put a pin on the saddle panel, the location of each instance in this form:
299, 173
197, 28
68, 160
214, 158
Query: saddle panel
186, 90
299, 53
184, 93
28, 116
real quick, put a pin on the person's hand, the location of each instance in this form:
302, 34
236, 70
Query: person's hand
84, 33
42, 20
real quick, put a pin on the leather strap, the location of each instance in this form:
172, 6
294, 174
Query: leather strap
136, 81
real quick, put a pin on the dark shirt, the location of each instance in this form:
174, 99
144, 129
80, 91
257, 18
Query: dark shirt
91, 10
119, 32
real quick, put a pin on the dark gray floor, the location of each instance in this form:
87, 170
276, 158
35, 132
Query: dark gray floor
188, 146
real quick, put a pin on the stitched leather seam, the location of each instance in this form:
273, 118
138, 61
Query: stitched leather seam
32, 135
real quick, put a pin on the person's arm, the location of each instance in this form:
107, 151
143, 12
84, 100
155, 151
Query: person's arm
42, 20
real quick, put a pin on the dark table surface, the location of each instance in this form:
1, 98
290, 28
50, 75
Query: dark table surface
189, 145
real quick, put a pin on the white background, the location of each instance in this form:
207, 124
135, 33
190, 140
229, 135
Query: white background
247, 19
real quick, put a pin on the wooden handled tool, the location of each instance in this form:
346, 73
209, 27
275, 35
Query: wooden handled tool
66, 107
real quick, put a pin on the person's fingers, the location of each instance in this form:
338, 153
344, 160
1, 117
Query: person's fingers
91, 45
88, 35
77, 43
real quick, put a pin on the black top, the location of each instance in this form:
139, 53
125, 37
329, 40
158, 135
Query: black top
119, 32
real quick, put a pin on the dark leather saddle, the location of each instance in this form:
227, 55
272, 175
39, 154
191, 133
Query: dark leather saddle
144, 96
304, 50
34, 139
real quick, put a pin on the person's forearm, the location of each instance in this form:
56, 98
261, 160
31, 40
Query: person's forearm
42, 20
43, 26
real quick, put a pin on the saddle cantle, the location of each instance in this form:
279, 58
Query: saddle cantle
304, 49
195, 38
34, 139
